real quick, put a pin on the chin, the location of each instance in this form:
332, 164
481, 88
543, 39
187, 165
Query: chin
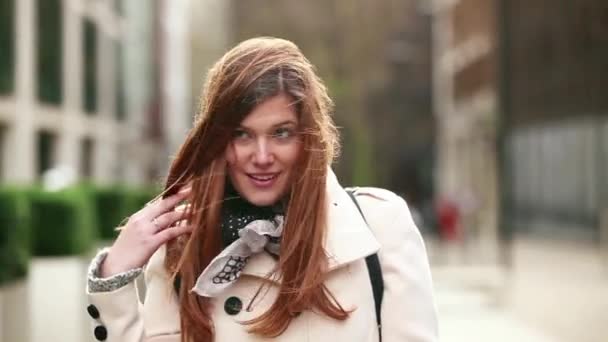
261, 197
262, 201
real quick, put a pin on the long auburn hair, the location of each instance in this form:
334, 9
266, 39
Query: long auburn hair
252, 72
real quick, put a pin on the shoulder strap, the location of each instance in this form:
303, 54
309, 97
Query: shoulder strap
374, 270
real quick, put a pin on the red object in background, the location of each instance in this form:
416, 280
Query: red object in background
449, 220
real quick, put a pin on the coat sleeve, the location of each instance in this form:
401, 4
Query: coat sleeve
116, 313
408, 306
120, 315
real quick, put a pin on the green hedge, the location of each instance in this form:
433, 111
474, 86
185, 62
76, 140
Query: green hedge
63, 223
138, 198
111, 205
40, 223
14, 235
114, 206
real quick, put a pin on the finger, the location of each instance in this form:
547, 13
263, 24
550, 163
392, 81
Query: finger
166, 204
171, 233
183, 207
168, 219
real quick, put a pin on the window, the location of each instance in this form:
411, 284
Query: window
50, 51
120, 83
45, 151
90, 66
119, 7
87, 148
7, 46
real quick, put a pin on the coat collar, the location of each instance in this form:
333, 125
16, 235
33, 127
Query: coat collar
348, 236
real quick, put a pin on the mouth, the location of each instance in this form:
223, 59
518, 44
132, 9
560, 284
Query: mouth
263, 180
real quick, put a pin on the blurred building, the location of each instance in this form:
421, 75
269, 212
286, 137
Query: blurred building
104, 87
524, 79
465, 106
74, 88
555, 75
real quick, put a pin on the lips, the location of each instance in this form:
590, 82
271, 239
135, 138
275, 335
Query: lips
263, 180
263, 177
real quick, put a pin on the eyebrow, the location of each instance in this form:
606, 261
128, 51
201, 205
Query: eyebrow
286, 122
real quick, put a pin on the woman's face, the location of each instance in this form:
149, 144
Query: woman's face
264, 150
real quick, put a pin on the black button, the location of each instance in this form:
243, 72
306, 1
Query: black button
101, 333
93, 312
233, 306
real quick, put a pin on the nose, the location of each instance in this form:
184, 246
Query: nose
263, 155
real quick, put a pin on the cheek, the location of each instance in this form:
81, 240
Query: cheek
231, 155
292, 154
231, 165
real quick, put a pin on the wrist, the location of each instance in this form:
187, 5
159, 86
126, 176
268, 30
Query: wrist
108, 267
110, 278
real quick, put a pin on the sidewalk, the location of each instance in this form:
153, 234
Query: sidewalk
471, 316
556, 292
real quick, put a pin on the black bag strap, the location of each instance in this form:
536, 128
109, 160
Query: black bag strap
374, 270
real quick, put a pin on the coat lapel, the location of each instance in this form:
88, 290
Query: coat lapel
348, 237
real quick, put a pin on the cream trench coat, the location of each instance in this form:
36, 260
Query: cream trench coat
408, 309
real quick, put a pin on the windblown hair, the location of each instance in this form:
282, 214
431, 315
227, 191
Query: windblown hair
250, 73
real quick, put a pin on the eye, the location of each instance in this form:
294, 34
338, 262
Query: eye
283, 133
240, 134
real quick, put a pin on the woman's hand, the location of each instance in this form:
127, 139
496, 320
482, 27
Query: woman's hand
145, 232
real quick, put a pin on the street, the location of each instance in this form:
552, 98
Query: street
557, 291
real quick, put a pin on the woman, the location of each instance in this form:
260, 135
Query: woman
269, 245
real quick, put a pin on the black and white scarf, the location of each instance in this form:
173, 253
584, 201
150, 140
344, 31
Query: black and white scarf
246, 230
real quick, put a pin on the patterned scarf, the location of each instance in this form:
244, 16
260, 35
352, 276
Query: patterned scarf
246, 230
